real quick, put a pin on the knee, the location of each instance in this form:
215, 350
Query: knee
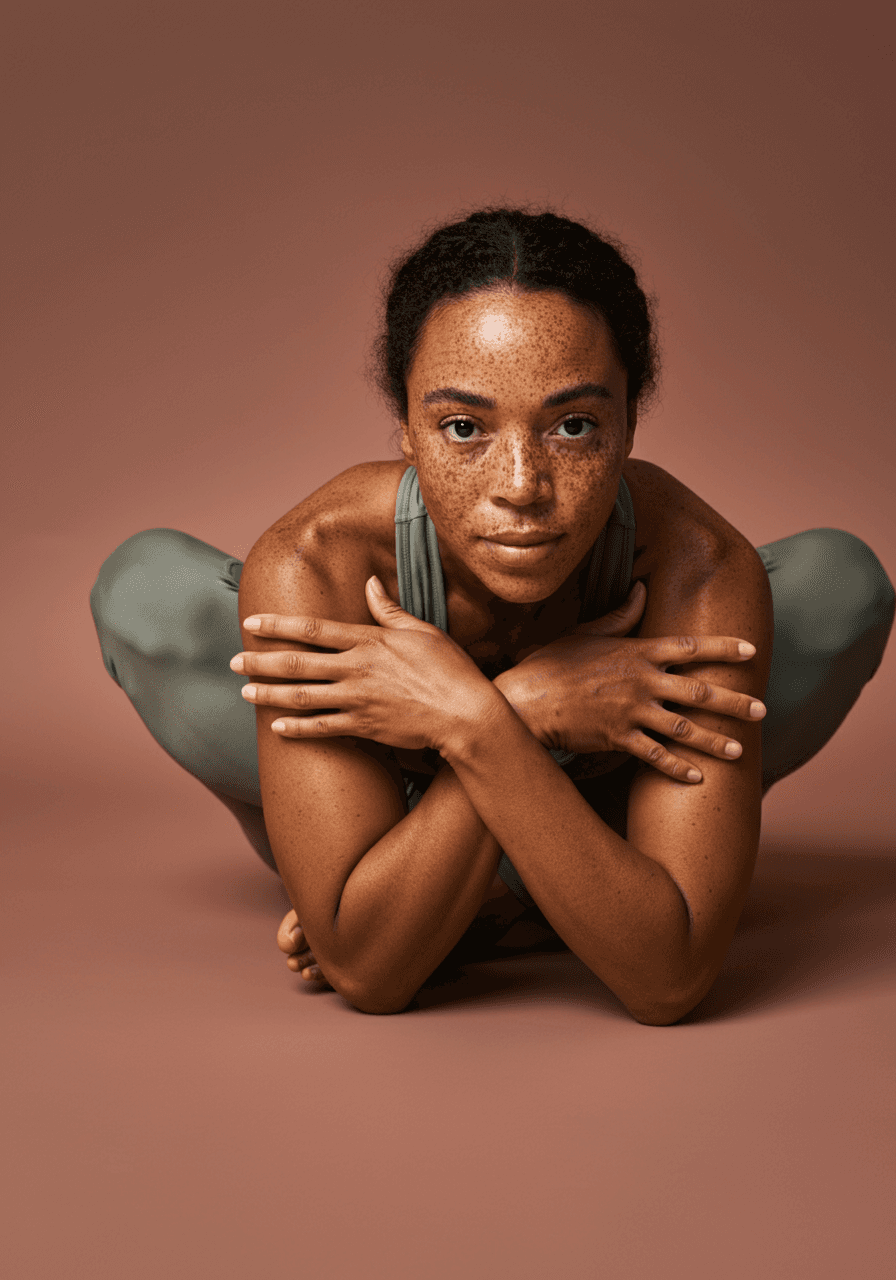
845, 586
155, 593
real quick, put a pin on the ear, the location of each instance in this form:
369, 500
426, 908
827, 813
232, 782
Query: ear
632, 422
407, 447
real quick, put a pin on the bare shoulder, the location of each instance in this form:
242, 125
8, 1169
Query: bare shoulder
698, 568
317, 557
671, 518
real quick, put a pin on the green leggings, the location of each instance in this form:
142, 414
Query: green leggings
165, 608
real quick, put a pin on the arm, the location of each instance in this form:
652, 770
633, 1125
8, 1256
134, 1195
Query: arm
658, 948
653, 914
383, 895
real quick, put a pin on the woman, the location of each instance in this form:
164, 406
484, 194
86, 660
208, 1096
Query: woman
459, 693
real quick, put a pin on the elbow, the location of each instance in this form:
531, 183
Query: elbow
660, 1015
369, 998
663, 1008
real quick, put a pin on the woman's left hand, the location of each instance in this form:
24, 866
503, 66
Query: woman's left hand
403, 683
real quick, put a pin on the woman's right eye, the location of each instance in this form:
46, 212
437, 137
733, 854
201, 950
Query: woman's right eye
462, 428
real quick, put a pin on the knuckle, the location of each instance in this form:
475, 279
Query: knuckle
697, 691
688, 645
321, 727
681, 728
654, 754
293, 664
298, 697
310, 629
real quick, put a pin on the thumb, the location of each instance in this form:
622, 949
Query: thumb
384, 608
618, 622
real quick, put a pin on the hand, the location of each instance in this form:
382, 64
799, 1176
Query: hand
403, 683
291, 940
594, 691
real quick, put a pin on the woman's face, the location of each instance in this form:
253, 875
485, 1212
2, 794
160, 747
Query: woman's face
518, 425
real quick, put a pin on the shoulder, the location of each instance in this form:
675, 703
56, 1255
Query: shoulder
688, 554
317, 557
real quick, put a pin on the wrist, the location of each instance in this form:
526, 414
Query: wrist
477, 725
515, 693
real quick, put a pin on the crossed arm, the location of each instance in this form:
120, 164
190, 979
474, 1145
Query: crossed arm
383, 895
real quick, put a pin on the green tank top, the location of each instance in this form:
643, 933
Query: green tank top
421, 591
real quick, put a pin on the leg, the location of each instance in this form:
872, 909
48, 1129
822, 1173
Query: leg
165, 609
834, 607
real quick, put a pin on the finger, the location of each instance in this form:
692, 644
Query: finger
304, 629
385, 610
689, 692
298, 697
680, 729
294, 664
619, 621
659, 756
342, 724
673, 651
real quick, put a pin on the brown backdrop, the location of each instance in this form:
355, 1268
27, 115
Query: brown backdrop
203, 197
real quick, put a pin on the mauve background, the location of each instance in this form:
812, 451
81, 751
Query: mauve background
203, 197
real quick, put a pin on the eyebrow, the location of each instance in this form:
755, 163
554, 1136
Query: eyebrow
456, 395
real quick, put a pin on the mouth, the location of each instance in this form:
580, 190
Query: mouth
516, 538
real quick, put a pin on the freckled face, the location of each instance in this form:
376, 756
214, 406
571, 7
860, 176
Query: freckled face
518, 425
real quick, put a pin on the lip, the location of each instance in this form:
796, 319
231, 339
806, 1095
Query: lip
515, 538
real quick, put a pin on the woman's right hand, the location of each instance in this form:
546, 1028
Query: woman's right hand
596, 692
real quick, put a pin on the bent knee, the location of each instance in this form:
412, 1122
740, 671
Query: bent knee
162, 593
832, 588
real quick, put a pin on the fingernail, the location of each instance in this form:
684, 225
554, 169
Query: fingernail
377, 585
252, 624
733, 749
694, 775
745, 649
248, 691
757, 710
236, 664
278, 726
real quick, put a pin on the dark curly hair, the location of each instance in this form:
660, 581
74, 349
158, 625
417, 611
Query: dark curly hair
535, 251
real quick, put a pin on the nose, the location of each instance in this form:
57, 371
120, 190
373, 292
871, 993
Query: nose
522, 475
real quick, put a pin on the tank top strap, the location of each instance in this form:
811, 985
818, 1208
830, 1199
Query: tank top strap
421, 586
612, 557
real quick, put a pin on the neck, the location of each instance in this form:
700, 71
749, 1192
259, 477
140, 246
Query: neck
478, 615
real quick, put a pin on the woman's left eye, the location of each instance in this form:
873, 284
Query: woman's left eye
576, 428
462, 428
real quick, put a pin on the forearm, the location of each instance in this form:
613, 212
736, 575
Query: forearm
407, 901
618, 910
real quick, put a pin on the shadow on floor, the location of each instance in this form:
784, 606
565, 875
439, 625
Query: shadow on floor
815, 923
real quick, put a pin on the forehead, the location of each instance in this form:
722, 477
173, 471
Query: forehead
534, 336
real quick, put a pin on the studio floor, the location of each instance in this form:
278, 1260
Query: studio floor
179, 1105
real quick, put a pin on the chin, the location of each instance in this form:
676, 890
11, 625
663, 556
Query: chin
521, 590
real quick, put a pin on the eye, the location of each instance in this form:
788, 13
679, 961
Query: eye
460, 429
576, 428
